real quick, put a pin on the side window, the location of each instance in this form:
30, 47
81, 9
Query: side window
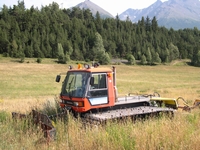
99, 88
99, 81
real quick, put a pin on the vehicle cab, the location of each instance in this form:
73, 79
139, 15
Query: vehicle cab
87, 88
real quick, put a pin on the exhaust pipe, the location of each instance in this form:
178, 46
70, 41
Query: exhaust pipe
114, 83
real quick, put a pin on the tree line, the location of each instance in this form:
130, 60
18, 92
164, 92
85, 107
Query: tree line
75, 34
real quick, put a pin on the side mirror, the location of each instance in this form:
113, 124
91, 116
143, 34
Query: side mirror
92, 81
58, 78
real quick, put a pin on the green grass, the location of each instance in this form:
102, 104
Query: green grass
27, 85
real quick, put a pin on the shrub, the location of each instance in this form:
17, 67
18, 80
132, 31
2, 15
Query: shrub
22, 59
62, 59
131, 59
39, 60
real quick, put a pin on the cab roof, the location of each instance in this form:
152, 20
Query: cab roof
91, 70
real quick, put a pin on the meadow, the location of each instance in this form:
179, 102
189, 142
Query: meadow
27, 85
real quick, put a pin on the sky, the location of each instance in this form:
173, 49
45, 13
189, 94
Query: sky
114, 7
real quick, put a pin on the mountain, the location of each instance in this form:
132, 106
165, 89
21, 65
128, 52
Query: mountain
178, 14
87, 4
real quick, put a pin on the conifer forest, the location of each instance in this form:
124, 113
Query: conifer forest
75, 34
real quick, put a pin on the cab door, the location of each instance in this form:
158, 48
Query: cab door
98, 90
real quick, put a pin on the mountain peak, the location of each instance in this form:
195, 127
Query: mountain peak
177, 14
87, 4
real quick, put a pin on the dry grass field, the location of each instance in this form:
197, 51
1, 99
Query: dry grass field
24, 86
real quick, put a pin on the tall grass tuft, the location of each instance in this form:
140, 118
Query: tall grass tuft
51, 107
4, 116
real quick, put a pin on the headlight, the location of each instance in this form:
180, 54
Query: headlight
76, 104
79, 104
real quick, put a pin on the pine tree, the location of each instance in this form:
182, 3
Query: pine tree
101, 55
196, 57
61, 55
149, 56
174, 52
157, 58
154, 24
143, 60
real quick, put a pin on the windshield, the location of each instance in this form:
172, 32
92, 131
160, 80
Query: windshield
75, 84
